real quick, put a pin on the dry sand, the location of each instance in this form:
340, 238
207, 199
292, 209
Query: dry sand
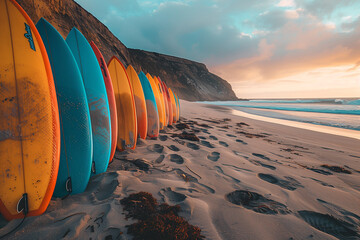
244, 179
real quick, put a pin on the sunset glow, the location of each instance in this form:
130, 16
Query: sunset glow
265, 49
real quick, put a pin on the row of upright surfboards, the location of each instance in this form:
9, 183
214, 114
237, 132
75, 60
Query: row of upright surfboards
64, 111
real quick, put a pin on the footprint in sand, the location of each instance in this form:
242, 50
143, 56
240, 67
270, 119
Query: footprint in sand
230, 135
256, 202
205, 131
207, 144
160, 158
241, 141
156, 148
261, 156
213, 137
193, 146
171, 196
220, 170
176, 158
321, 182
102, 186
201, 137
223, 143
258, 163
330, 225
163, 137
173, 148
290, 184
214, 156
323, 172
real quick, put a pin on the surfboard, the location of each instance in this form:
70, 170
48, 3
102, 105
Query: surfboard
178, 106
163, 103
167, 107
151, 108
140, 103
125, 105
111, 98
29, 126
158, 99
171, 117
97, 99
76, 138
173, 104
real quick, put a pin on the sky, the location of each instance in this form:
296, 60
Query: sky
263, 48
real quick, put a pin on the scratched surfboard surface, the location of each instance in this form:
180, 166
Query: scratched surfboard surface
96, 96
111, 98
76, 137
151, 108
125, 105
166, 103
140, 103
171, 112
163, 100
158, 98
173, 105
29, 126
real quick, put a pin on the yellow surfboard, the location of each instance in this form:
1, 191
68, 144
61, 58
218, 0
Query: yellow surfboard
159, 101
29, 125
140, 102
125, 105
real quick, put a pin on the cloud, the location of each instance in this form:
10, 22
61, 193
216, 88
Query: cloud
286, 3
243, 41
296, 47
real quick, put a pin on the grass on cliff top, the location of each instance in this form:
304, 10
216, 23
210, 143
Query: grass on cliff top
157, 221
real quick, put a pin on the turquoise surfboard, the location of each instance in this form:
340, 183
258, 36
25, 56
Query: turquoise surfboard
96, 96
76, 138
151, 108
177, 107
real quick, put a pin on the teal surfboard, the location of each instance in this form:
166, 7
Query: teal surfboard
151, 108
76, 137
96, 96
177, 107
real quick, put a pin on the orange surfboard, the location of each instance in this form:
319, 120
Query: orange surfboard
171, 115
125, 105
29, 126
167, 106
140, 102
163, 100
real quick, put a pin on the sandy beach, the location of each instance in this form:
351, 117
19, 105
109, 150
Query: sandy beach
234, 178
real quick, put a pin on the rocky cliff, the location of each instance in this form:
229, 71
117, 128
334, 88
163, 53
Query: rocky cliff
191, 80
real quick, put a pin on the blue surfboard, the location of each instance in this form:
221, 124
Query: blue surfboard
151, 108
76, 138
96, 96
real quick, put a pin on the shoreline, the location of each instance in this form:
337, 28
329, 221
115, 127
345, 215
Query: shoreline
297, 124
240, 179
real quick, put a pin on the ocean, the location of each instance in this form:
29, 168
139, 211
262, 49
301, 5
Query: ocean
338, 113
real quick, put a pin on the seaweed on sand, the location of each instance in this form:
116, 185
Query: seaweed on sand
157, 221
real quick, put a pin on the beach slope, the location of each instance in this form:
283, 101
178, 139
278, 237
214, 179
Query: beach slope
235, 178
